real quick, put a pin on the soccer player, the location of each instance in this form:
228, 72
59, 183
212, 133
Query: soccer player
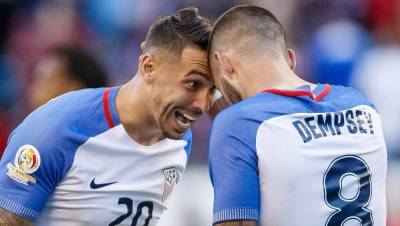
288, 152
111, 156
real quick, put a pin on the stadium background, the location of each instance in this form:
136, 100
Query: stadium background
345, 42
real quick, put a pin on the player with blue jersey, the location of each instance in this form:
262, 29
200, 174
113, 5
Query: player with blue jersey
111, 156
288, 152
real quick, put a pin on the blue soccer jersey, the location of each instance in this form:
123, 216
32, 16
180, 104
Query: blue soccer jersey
300, 157
72, 163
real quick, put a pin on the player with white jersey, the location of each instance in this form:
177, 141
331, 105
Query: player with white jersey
111, 156
288, 152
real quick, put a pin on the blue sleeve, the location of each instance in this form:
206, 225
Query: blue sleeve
39, 153
363, 99
31, 167
233, 167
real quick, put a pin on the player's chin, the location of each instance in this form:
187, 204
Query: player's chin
173, 129
172, 133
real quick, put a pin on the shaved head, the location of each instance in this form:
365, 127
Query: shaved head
250, 30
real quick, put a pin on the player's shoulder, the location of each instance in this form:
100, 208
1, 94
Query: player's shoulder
68, 108
75, 101
348, 97
52, 134
348, 91
63, 117
242, 119
62, 125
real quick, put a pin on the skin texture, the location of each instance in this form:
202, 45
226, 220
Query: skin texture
10, 219
165, 84
237, 223
232, 94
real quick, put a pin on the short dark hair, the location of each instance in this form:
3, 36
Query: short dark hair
175, 32
81, 65
246, 21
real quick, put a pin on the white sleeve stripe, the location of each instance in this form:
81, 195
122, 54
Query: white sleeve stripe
18, 209
235, 214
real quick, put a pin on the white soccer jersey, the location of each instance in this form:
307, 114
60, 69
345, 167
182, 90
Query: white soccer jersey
76, 165
296, 157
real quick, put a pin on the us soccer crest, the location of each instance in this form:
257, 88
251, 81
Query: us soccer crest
171, 178
27, 161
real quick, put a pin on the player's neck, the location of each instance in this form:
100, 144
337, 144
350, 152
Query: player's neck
134, 114
275, 75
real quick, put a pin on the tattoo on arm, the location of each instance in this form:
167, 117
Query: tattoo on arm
9, 219
237, 223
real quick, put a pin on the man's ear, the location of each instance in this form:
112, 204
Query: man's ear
224, 63
146, 67
292, 59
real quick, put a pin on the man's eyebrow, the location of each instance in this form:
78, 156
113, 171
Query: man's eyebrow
202, 74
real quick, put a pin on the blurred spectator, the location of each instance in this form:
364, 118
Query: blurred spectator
330, 38
65, 69
4, 132
377, 74
333, 56
7, 98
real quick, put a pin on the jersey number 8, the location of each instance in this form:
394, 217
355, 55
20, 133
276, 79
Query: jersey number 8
348, 208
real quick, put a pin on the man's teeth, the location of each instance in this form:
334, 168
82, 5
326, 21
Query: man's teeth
191, 118
184, 124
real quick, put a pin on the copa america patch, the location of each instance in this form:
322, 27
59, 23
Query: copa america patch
171, 178
27, 161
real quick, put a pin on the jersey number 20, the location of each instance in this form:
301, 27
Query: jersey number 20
348, 208
129, 204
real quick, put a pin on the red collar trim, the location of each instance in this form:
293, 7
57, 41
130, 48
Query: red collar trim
106, 107
318, 97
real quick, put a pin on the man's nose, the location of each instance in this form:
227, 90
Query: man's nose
202, 101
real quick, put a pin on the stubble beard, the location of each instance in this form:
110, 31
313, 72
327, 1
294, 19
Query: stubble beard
232, 95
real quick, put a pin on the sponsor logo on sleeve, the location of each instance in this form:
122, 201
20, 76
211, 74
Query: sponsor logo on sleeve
171, 178
27, 161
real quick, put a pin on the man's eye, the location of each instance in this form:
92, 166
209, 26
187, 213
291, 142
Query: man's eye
193, 85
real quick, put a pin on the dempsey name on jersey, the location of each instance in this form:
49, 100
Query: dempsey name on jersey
334, 123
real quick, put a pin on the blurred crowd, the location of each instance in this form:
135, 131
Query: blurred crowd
341, 42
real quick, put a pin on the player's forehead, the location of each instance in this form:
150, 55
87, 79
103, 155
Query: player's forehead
195, 58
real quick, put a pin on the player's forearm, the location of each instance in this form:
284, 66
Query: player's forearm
10, 219
237, 223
